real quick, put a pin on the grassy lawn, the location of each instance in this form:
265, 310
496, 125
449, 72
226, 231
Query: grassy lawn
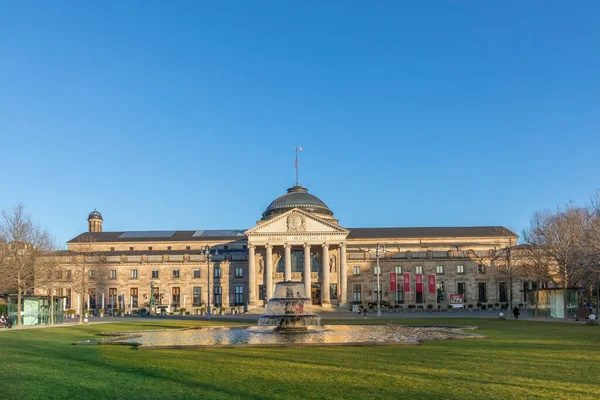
520, 359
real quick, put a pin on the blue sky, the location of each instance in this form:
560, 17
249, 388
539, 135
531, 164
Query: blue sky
183, 115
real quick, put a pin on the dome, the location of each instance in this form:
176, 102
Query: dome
95, 215
299, 197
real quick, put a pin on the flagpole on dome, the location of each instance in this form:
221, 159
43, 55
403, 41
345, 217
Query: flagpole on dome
297, 148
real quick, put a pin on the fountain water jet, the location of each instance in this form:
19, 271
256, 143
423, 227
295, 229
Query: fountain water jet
289, 310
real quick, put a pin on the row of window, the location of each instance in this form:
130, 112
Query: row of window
133, 273
441, 292
116, 300
169, 248
439, 269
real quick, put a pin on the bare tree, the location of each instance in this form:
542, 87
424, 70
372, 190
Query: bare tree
557, 246
24, 252
80, 272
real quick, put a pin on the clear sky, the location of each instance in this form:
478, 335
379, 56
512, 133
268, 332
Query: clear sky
182, 115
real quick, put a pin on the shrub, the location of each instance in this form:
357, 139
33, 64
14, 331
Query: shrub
520, 305
411, 306
70, 311
122, 310
469, 305
101, 311
203, 309
429, 306
183, 309
396, 305
479, 304
497, 304
222, 309
449, 306
86, 311
3, 310
490, 305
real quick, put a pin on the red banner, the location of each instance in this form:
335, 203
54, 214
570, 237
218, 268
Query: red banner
431, 281
392, 281
407, 283
456, 299
419, 282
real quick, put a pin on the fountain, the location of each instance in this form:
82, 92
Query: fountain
289, 310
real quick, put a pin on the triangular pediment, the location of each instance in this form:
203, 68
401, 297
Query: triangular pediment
296, 222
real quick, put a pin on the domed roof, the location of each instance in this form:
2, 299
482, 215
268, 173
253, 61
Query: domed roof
95, 215
297, 196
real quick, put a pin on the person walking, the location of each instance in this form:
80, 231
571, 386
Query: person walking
365, 312
359, 311
516, 312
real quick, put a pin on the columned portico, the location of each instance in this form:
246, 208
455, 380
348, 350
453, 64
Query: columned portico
287, 274
251, 275
343, 275
269, 271
306, 275
325, 298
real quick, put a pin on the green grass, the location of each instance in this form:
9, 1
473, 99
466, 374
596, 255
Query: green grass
520, 359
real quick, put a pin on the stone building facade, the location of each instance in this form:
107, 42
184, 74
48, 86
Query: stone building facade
297, 239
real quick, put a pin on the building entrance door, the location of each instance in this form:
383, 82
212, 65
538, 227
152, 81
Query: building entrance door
315, 292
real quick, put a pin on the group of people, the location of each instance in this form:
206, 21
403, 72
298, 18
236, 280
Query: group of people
363, 311
5, 322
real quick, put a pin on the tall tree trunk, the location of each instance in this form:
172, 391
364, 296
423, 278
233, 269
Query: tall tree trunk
18, 302
51, 309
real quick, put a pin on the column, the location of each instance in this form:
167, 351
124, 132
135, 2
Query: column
307, 270
343, 275
325, 280
287, 275
269, 271
251, 275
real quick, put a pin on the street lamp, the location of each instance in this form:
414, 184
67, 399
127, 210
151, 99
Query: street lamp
206, 252
379, 250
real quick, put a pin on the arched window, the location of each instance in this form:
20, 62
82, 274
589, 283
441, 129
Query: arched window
298, 262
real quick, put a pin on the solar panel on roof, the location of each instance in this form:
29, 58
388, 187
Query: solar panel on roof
218, 232
146, 234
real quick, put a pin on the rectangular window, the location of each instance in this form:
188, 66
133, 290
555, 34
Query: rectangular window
58, 292
377, 270
218, 296
131, 249
197, 273
460, 269
481, 292
262, 292
399, 294
113, 274
188, 247
439, 269
481, 268
92, 274
58, 275
68, 297
333, 291
376, 292
155, 273
225, 247
418, 270
525, 289
197, 295
149, 248
356, 293
133, 297
356, 270
113, 302
134, 274
175, 273
112, 249
175, 296
503, 292
157, 295
419, 297
398, 270
441, 291
239, 296
217, 273
239, 272
461, 288
169, 248
68, 274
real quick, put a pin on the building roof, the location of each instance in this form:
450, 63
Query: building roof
159, 236
429, 232
238, 234
297, 197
